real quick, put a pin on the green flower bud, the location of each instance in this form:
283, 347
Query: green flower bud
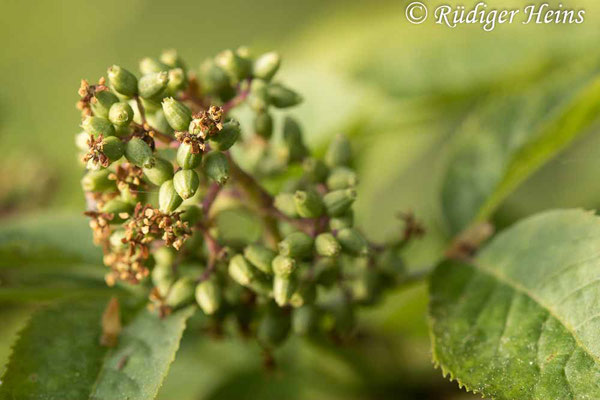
98, 126
296, 244
153, 85
113, 148
172, 59
181, 293
339, 202
315, 169
168, 199
226, 137
343, 221
102, 101
160, 172
339, 152
186, 159
164, 256
341, 178
261, 257
177, 114
262, 286
292, 137
120, 114
241, 271
283, 266
122, 81
305, 319
213, 79
308, 204
281, 96
327, 245
177, 80
186, 183
273, 328
139, 153
258, 98
283, 289
119, 208
97, 181
163, 278
150, 65
191, 214
208, 296
266, 66
285, 203
263, 125
238, 68
353, 242
216, 167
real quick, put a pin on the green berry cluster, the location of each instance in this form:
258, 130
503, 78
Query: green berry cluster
161, 171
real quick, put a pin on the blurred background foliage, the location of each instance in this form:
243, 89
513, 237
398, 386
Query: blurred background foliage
435, 116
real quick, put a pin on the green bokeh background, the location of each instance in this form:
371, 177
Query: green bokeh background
402, 93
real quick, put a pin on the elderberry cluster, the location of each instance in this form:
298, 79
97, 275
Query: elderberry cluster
160, 171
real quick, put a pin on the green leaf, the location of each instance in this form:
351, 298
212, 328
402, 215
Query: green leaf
510, 138
59, 357
136, 369
521, 321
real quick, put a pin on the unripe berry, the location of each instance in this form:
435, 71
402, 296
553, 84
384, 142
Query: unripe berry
186, 183
283, 266
97, 181
98, 126
177, 80
120, 114
139, 153
327, 245
241, 271
345, 220
177, 114
122, 81
186, 159
261, 257
181, 293
281, 96
296, 244
150, 65
208, 296
339, 152
102, 102
168, 199
353, 242
341, 178
292, 137
163, 278
263, 125
339, 202
226, 137
119, 208
213, 78
315, 170
238, 68
266, 66
308, 204
153, 85
113, 148
283, 289
285, 203
160, 172
216, 167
